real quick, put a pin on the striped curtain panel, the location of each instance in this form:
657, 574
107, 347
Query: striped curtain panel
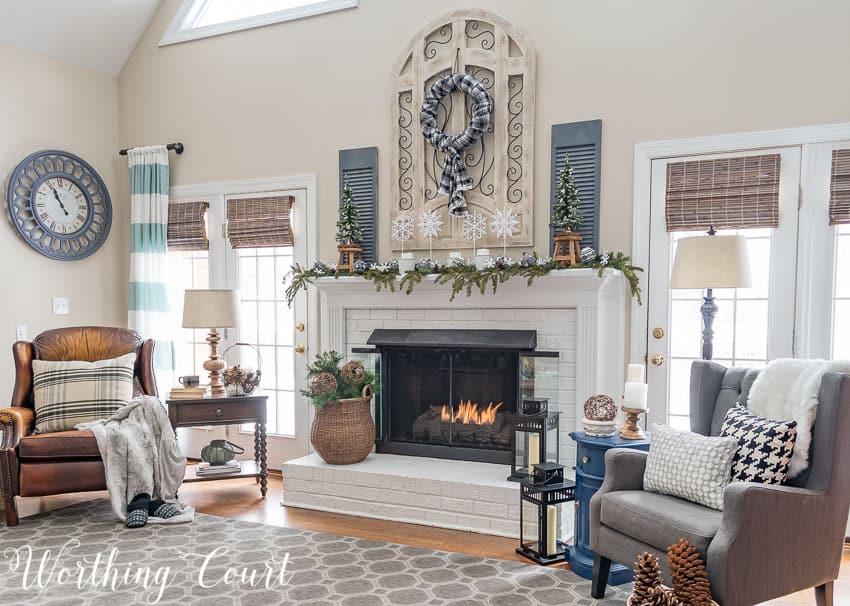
149, 310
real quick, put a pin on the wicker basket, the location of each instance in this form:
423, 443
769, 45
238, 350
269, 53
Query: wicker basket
343, 431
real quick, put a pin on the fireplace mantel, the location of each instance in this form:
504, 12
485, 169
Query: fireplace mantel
597, 304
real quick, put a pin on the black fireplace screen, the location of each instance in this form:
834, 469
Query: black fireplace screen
453, 393
452, 398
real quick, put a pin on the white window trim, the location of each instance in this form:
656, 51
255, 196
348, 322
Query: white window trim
175, 34
645, 153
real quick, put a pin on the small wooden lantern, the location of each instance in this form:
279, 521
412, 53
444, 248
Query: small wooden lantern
567, 248
348, 254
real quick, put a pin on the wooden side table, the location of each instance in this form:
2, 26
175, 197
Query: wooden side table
590, 472
226, 411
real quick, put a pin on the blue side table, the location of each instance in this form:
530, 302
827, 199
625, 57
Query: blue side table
590, 472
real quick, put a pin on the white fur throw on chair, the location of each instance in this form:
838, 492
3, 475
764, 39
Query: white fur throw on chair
788, 389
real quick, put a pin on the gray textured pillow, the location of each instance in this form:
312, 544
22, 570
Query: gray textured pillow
689, 465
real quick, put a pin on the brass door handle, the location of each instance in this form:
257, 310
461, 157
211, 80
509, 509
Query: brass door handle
300, 327
658, 359
300, 348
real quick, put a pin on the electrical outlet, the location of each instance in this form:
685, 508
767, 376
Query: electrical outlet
61, 306
21, 332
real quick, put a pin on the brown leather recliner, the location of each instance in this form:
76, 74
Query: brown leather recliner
67, 461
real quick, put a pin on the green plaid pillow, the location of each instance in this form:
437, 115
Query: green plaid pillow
68, 393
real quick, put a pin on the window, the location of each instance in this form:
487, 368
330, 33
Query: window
841, 294
204, 18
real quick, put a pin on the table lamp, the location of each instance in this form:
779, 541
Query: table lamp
708, 262
212, 309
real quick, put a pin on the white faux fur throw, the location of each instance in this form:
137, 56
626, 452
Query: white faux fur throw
140, 454
788, 389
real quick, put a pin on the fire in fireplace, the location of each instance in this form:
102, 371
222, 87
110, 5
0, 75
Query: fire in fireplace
452, 393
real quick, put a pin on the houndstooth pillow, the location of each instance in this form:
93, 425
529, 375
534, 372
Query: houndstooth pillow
68, 393
765, 446
689, 465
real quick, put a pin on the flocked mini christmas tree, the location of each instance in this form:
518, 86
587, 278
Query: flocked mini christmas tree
566, 214
348, 226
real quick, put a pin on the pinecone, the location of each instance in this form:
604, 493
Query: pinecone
324, 383
687, 571
647, 578
353, 373
661, 596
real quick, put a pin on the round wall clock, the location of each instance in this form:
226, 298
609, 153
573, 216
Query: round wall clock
59, 205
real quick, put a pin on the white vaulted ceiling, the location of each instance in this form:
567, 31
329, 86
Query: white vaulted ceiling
95, 34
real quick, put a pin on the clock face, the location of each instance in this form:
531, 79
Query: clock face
59, 205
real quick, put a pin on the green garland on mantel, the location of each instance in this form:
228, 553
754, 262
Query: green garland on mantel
463, 278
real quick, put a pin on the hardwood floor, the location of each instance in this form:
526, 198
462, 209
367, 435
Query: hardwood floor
241, 499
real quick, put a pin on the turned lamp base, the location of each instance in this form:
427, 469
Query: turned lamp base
214, 365
630, 429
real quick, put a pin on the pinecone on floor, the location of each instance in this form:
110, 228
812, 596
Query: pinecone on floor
647, 577
687, 571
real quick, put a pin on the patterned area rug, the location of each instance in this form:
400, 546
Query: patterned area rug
91, 559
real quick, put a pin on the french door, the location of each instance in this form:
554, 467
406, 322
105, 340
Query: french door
276, 335
753, 325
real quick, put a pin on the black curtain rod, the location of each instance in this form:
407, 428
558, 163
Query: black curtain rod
176, 147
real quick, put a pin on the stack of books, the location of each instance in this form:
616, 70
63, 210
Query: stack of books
189, 393
205, 469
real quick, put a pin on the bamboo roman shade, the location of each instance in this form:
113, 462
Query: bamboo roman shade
727, 193
260, 222
187, 229
839, 188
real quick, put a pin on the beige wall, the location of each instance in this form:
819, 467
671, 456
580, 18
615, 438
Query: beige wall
47, 104
283, 99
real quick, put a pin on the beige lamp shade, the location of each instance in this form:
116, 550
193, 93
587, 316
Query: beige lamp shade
211, 309
711, 262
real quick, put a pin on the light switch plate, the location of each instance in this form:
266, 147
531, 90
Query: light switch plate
61, 306
21, 332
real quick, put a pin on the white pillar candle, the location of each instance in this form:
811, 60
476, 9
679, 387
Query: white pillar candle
533, 450
634, 395
634, 373
551, 530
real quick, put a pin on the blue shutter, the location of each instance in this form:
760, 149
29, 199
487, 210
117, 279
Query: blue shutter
582, 142
360, 167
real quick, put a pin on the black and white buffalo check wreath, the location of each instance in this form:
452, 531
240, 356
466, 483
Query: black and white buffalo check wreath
764, 446
455, 179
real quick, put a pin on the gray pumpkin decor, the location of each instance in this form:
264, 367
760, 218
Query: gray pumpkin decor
219, 452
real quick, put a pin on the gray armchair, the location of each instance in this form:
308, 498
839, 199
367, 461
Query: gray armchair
769, 540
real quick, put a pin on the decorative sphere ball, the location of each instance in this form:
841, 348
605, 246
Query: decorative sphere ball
587, 254
360, 266
393, 265
526, 260
424, 265
600, 408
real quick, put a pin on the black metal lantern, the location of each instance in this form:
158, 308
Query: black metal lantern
547, 548
535, 439
534, 406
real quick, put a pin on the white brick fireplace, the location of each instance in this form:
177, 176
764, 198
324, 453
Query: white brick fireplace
574, 312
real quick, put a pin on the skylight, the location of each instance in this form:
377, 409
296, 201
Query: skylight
203, 18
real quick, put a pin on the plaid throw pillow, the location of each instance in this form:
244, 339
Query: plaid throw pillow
68, 393
764, 446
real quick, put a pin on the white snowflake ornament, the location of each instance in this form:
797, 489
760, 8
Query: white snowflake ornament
402, 229
474, 227
431, 225
505, 222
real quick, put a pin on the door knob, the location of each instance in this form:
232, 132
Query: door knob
300, 327
658, 332
658, 359
299, 348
